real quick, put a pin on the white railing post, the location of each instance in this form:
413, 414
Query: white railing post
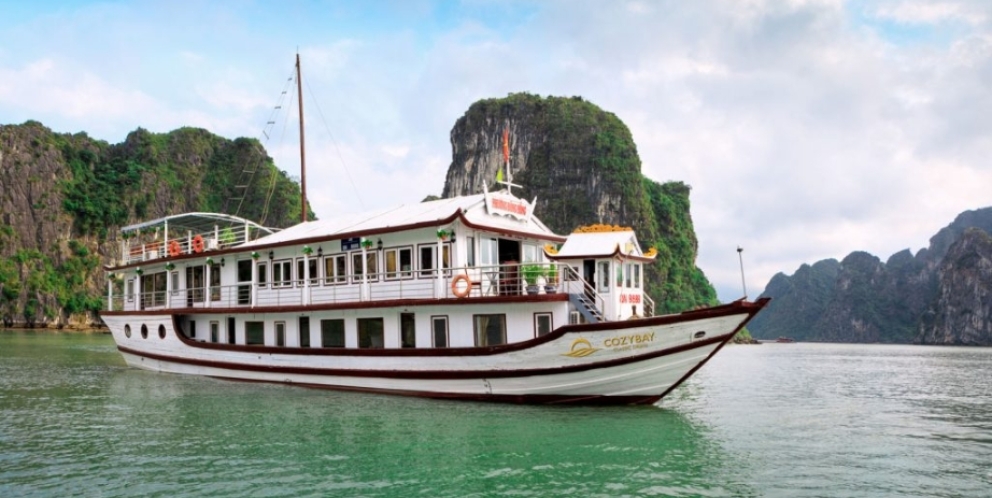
305, 300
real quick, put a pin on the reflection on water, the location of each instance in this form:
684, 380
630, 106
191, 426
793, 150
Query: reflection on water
771, 420
73, 419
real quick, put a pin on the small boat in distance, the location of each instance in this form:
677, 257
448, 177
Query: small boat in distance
470, 297
785, 339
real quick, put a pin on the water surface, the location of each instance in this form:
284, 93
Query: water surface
769, 420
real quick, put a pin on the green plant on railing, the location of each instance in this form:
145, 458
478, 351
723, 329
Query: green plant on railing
551, 272
366, 243
531, 273
309, 250
227, 236
170, 266
254, 255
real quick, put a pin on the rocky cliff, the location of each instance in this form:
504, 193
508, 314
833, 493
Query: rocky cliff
582, 165
63, 197
939, 296
962, 311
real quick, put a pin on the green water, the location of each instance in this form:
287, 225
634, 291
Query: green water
770, 420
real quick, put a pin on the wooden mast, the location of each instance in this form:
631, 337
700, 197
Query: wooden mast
303, 157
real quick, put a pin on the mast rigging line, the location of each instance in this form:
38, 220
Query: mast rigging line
337, 150
251, 171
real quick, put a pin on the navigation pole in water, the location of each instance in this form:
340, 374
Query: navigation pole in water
303, 158
740, 250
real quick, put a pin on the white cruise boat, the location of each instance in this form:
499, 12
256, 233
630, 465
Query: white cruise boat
467, 298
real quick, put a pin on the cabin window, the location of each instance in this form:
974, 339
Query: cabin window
230, 330
629, 274
542, 324
314, 275
370, 333
399, 263
214, 331
332, 333
428, 261
490, 330
304, 328
130, 289
174, 276
603, 277
263, 274
153, 289
489, 252
408, 330
336, 269
255, 333
215, 283
470, 251
371, 263
282, 273
194, 284
530, 253
637, 275
192, 329
439, 329
280, 333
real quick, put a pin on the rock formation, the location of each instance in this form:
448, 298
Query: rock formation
63, 198
939, 296
581, 164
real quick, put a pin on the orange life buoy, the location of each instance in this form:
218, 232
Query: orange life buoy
174, 249
198, 243
461, 292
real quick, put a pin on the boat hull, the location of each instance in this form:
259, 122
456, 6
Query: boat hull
632, 362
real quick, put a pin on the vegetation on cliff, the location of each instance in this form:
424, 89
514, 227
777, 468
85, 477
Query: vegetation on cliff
582, 165
64, 196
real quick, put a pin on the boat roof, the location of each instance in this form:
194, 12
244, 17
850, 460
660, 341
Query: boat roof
600, 244
198, 223
472, 209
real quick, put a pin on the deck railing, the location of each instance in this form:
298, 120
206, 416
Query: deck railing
137, 250
472, 282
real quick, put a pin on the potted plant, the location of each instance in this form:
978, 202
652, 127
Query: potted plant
551, 285
227, 237
531, 274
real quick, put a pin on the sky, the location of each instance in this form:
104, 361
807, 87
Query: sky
807, 129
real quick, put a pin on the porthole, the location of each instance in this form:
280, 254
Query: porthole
144, 331
161, 331
127, 331
699, 335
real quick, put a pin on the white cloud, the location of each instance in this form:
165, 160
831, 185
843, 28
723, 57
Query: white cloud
929, 12
804, 130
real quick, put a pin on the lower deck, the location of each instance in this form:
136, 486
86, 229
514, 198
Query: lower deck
436, 325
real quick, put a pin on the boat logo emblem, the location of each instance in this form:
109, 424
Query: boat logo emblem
580, 349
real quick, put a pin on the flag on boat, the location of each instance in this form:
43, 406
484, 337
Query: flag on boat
506, 145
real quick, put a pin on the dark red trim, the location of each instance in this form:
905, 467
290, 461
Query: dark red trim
351, 305
427, 374
529, 399
728, 309
512, 233
615, 253
457, 215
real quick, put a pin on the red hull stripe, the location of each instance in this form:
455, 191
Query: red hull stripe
429, 374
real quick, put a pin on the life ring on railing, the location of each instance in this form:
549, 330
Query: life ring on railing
198, 243
174, 248
461, 292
